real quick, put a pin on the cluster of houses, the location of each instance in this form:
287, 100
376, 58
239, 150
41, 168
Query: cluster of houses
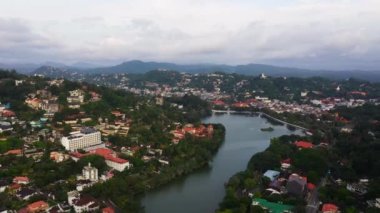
109, 155
75, 99
89, 140
315, 106
6, 118
293, 184
284, 182
43, 100
200, 132
119, 126
90, 176
19, 187
86, 203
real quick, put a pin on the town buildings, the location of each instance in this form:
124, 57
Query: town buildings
38, 206
110, 157
86, 138
75, 99
90, 173
82, 203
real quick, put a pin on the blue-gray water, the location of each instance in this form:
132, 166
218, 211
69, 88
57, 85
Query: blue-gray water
203, 190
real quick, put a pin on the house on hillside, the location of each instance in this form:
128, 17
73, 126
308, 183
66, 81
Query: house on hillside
271, 174
296, 185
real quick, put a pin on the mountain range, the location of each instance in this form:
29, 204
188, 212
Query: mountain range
52, 69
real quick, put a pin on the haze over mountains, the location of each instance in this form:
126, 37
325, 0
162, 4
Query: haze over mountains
53, 69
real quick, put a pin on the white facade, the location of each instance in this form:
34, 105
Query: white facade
88, 207
71, 196
81, 140
90, 173
119, 166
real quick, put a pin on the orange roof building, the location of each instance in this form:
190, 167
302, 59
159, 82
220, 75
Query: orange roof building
14, 152
110, 158
108, 210
304, 144
38, 206
21, 180
329, 208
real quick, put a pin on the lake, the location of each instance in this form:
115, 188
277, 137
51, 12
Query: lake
202, 191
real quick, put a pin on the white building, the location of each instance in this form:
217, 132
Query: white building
90, 173
71, 196
82, 203
85, 204
85, 138
75, 99
5, 126
118, 163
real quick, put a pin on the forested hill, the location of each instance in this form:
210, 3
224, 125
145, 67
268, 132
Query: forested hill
248, 69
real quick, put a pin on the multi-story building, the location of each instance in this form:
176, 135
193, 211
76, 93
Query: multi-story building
51, 106
5, 126
110, 157
90, 173
75, 99
82, 203
85, 138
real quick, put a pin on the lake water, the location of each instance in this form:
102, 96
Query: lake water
203, 190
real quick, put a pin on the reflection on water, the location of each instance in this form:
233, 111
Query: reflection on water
203, 190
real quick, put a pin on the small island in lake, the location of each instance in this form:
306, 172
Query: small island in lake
268, 129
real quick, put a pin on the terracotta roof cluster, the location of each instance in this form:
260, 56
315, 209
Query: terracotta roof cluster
19, 179
14, 152
37, 206
108, 210
8, 113
219, 103
329, 208
304, 144
201, 131
240, 104
104, 152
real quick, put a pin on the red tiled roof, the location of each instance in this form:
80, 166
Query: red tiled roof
310, 186
104, 152
37, 206
218, 102
14, 152
108, 210
240, 104
20, 178
116, 160
288, 161
8, 113
304, 144
328, 207
77, 154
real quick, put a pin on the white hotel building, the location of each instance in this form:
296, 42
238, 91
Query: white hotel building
86, 138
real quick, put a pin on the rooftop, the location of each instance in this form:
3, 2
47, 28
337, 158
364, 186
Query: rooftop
273, 207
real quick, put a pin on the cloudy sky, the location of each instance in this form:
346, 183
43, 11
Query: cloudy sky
327, 34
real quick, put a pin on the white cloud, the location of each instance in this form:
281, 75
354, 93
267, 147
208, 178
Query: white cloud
321, 34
